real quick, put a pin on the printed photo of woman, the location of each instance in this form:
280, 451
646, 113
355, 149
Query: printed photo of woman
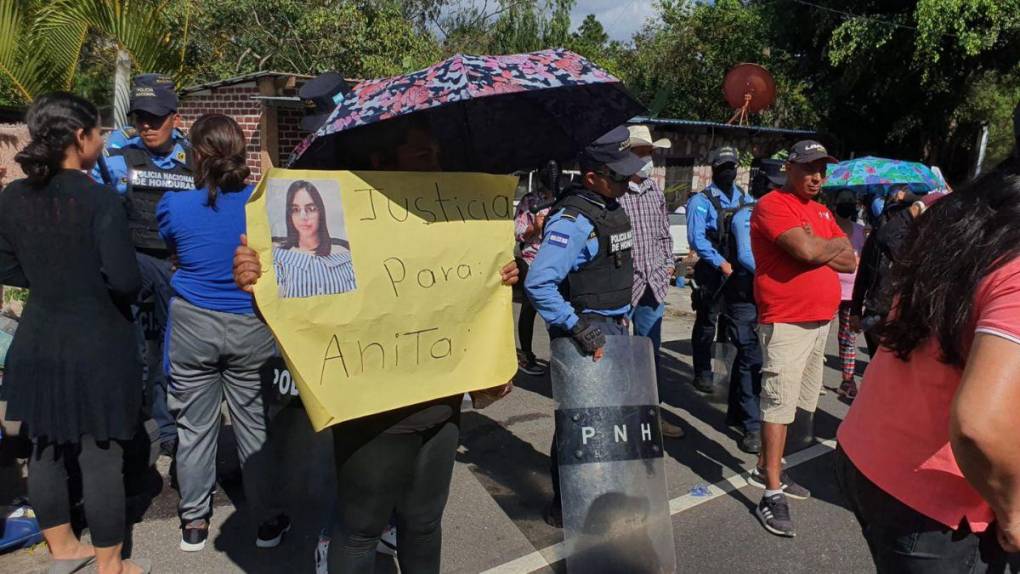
307, 261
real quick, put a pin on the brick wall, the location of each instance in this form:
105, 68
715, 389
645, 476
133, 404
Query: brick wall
288, 123
694, 144
234, 101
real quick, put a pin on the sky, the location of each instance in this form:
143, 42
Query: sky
620, 18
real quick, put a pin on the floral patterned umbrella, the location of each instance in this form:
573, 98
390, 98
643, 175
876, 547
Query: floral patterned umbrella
494, 114
876, 176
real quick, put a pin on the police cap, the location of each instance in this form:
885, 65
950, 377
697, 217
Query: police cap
723, 155
613, 150
318, 95
775, 170
154, 94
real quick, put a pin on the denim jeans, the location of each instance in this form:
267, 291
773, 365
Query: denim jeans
904, 541
646, 317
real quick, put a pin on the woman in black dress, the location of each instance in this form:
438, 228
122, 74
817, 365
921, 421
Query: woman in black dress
73, 374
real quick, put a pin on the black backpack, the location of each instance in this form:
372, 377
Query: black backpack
723, 239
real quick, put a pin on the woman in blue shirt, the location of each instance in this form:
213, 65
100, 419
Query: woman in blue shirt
307, 263
215, 344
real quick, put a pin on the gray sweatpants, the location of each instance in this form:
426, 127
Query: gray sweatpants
213, 356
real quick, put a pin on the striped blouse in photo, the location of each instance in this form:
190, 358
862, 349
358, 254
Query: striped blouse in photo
302, 274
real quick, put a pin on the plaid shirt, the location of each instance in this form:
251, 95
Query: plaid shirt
653, 246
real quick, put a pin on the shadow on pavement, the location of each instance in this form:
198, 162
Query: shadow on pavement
541, 385
514, 474
299, 462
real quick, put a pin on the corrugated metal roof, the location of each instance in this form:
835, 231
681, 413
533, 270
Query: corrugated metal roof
717, 126
237, 80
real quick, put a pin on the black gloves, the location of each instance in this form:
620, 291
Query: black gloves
588, 336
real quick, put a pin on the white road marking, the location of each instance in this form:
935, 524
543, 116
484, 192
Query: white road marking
552, 554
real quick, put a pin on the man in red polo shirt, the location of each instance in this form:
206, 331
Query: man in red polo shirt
798, 250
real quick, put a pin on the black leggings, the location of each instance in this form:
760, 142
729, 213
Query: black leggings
102, 474
526, 327
378, 473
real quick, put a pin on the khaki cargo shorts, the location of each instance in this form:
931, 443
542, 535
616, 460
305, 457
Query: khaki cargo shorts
791, 374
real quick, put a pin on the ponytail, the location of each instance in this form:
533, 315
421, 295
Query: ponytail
220, 162
53, 123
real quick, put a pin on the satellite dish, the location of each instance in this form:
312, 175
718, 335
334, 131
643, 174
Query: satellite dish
749, 89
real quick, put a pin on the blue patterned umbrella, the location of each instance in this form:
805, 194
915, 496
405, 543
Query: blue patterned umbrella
493, 114
876, 176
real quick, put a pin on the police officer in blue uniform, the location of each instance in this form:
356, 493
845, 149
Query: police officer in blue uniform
154, 160
708, 214
743, 409
581, 279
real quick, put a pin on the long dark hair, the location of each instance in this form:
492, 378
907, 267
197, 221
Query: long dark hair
220, 161
292, 234
53, 122
955, 243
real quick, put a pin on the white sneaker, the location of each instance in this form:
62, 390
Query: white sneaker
388, 541
322, 555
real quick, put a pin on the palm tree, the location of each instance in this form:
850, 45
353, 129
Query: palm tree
30, 62
41, 42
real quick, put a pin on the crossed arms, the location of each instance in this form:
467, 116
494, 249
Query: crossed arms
805, 246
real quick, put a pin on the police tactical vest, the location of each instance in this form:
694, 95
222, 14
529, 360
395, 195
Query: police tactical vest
606, 281
146, 184
722, 238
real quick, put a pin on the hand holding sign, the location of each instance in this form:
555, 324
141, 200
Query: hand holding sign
399, 301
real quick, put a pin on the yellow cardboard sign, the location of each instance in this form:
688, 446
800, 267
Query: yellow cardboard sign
383, 288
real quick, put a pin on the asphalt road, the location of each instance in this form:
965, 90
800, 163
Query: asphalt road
501, 484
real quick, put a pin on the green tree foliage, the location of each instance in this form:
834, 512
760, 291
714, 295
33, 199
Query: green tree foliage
895, 79
44, 44
681, 60
359, 38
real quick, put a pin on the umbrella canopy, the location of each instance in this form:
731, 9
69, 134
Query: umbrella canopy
494, 114
876, 176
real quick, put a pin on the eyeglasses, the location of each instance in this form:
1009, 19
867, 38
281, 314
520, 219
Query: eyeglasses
308, 210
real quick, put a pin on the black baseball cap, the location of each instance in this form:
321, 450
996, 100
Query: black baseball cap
613, 150
318, 96
154, 94
807, 151
724, 154
775, 170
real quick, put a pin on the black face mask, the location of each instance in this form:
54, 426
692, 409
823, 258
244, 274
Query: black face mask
724, 177
846, 210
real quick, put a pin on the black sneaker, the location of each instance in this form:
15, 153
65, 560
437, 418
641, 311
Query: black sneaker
193, 535
271, 531
790, 488
750, 442
553, 515
704, 384
531, 367
774, 514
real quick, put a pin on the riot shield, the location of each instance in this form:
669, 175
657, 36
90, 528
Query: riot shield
609, 446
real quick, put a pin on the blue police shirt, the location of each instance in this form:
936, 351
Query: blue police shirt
702, 217
117, 165
204, 240
740, 227
567, 246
